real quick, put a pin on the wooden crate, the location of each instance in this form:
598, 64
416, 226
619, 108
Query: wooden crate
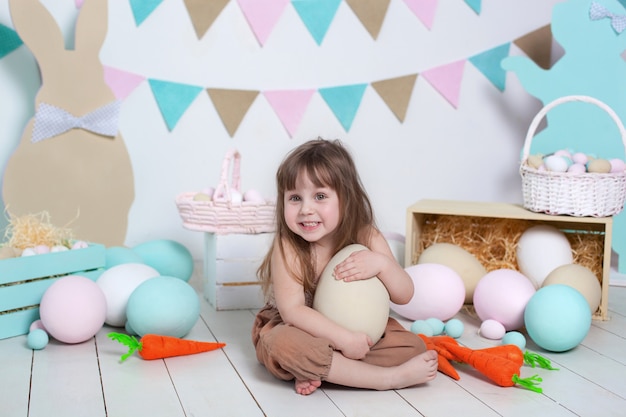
425, 213
24, 280
230, 265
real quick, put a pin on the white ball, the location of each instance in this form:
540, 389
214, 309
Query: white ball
359, 306
540, 250
117, 283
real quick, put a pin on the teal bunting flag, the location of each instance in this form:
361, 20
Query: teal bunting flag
9, 41
476, 5
488, 63
173, 99
344, 102
143, 8
317, 15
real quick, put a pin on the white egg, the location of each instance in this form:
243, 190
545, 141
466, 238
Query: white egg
360, 306
254, 196
492, 329
556, 163
29, 252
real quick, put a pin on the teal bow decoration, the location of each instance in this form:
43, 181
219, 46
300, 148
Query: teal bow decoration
597, 12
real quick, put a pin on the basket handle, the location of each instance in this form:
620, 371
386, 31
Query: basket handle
587, 99
222, 191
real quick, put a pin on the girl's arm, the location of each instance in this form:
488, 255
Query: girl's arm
378, 261
290, 301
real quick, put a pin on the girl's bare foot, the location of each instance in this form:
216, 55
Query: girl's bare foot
422, 368
307, 387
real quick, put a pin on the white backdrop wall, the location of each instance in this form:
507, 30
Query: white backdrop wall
438, 152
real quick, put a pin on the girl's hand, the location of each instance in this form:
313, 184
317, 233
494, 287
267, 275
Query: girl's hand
356, 346
363, 264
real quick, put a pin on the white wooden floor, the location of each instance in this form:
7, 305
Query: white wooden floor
87, 380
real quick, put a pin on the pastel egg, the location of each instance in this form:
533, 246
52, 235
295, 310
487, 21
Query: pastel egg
535, 161
492, 329
201, 197
563, 152
514, 338
359, 306
253, 195
580, 278
422, 327
580, 158
436, 324
617, 165
577, 168
454, 328
600, 166
555, 163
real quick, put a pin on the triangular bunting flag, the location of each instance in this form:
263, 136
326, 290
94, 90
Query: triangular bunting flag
143, 8
122, 83
9, 40
447, 80
371, 13
396, 93
203, 13
475, 5
232, 106
79, 3
344, 101
488, 63
173, 99
317, 15
424, 10
537, 45
290, 106
262, 15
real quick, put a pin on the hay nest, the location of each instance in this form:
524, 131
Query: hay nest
494, 241
31, 230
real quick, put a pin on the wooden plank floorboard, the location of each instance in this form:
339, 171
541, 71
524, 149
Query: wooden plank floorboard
15, 370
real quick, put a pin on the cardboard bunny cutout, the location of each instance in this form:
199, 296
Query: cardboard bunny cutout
71, 161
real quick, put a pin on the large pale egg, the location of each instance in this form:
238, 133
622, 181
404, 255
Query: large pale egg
540, 250
461, 261
359, 306
580, 278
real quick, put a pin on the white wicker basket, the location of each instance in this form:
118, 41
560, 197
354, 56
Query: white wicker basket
223, 216
584, 194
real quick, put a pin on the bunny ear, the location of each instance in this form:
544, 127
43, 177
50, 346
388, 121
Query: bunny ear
91, 26
36, 27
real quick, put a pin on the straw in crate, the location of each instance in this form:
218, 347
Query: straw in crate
222, 214
575, 194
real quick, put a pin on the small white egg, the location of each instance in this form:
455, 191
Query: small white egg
492, 329
58, 248
29, 252
80, 244
41, 249
555, 163
236, 196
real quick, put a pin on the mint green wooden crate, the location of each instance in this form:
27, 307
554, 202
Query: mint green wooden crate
23, 281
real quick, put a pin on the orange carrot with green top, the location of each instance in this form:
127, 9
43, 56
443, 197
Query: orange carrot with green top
152, 346
443, 364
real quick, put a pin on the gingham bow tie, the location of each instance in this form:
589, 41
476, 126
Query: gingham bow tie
597, 12
51, 121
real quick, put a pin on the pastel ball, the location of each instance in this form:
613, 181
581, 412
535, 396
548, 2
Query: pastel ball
118, 283
541, 249
169, 257
617, 165
163, 305
582, 279
37, 339
436, 324
502, 295
492, 329
454, 328
557, 318
360, 306
514, 338
116, 255
73, 309
439, 292
461, 261
422, 327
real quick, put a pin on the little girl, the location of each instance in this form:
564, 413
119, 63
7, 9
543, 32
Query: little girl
321, 208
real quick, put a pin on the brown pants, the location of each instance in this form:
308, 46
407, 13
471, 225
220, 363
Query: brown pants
288, 352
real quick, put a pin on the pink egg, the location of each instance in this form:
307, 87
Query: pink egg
73, 309
617, 165
439, 293
492, 329
564, 152
577, 168
502, 295
580, 158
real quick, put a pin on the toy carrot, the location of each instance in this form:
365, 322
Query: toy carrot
443, 364
500, 370
152, 346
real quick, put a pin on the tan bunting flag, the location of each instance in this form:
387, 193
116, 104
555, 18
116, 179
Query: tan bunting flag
537, 45
371, 13
203, 13
232, 105
396, 93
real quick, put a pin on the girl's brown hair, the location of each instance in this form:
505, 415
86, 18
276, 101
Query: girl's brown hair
327, 164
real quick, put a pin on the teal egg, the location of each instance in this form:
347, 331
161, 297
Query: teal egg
421, 327
436, 324
514, 338
163, 305
454, 328
117, 255
169, 257
37, 339
557, 317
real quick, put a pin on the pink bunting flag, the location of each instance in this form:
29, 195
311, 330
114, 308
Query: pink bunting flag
446, 79
424, 10
79, 3
289, 106
122, 83
262, 15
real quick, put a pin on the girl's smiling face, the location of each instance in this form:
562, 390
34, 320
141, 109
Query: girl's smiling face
311, 211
